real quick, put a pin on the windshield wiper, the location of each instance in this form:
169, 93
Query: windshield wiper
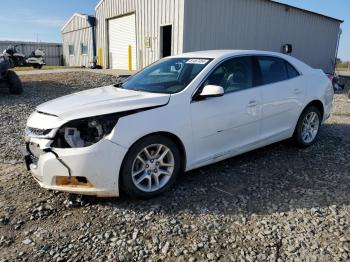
123, 79
120, 85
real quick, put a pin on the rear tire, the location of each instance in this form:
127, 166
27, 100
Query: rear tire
146, 177
15, 84
308, 127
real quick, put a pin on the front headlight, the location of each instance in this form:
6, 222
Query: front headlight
85, 132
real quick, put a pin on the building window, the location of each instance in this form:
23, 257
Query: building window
83, 49
71, 49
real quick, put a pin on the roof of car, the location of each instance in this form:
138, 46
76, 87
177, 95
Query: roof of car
223, 53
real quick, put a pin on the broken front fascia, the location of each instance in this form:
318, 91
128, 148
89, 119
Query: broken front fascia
85, 132
74, 134
93, 169
86, 170
38, 144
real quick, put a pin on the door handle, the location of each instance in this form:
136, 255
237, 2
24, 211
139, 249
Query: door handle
253, 103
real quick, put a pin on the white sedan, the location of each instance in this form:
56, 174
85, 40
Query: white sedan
176, 115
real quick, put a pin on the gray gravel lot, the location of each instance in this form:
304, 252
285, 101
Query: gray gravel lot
278, 203
113, 72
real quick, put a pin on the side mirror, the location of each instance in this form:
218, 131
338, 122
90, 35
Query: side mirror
211, 91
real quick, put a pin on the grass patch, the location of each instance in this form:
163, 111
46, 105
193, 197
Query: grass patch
343, 69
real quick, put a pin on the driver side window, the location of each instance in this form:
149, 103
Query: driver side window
233, 75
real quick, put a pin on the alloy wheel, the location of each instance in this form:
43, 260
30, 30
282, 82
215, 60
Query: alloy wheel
310, 127
152, 168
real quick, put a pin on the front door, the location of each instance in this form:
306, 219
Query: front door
227, 125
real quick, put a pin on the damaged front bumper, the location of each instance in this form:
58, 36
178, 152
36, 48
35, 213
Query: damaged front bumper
92, 170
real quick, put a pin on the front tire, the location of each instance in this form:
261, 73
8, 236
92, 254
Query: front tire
150, 167
308, 127
15, 84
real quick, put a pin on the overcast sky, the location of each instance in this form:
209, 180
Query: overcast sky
32, 20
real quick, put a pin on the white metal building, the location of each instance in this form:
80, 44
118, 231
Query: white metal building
53, 51
135, 33
78, 36
142, 22
157, 28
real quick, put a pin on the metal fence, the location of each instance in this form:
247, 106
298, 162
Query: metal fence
53, 51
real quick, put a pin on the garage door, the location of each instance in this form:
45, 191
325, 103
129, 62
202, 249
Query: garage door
122, 33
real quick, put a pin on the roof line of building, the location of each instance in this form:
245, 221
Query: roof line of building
286, 5
29, 42
98, 5
74, 15
304, 10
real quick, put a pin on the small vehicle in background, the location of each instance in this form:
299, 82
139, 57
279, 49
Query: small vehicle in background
15, 57
335, 79
36, 59
9, 79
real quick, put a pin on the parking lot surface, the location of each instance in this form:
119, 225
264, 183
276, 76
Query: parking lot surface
71, 70
278, 203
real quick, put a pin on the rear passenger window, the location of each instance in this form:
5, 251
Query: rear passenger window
292, 72
273, 69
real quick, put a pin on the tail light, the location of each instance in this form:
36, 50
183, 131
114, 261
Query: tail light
330, 77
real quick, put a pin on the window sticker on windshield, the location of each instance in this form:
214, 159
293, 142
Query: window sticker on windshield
197, 61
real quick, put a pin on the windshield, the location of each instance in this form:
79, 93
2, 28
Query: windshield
167, 76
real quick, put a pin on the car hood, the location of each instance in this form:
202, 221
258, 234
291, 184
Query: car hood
100, 101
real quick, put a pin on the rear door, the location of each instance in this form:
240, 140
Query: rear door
282, 97
228, 124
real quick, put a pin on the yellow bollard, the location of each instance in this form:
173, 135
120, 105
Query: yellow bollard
130, 58
99, 60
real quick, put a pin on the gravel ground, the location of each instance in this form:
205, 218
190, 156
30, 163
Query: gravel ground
278, 203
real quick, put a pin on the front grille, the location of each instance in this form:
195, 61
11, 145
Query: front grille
37, 132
